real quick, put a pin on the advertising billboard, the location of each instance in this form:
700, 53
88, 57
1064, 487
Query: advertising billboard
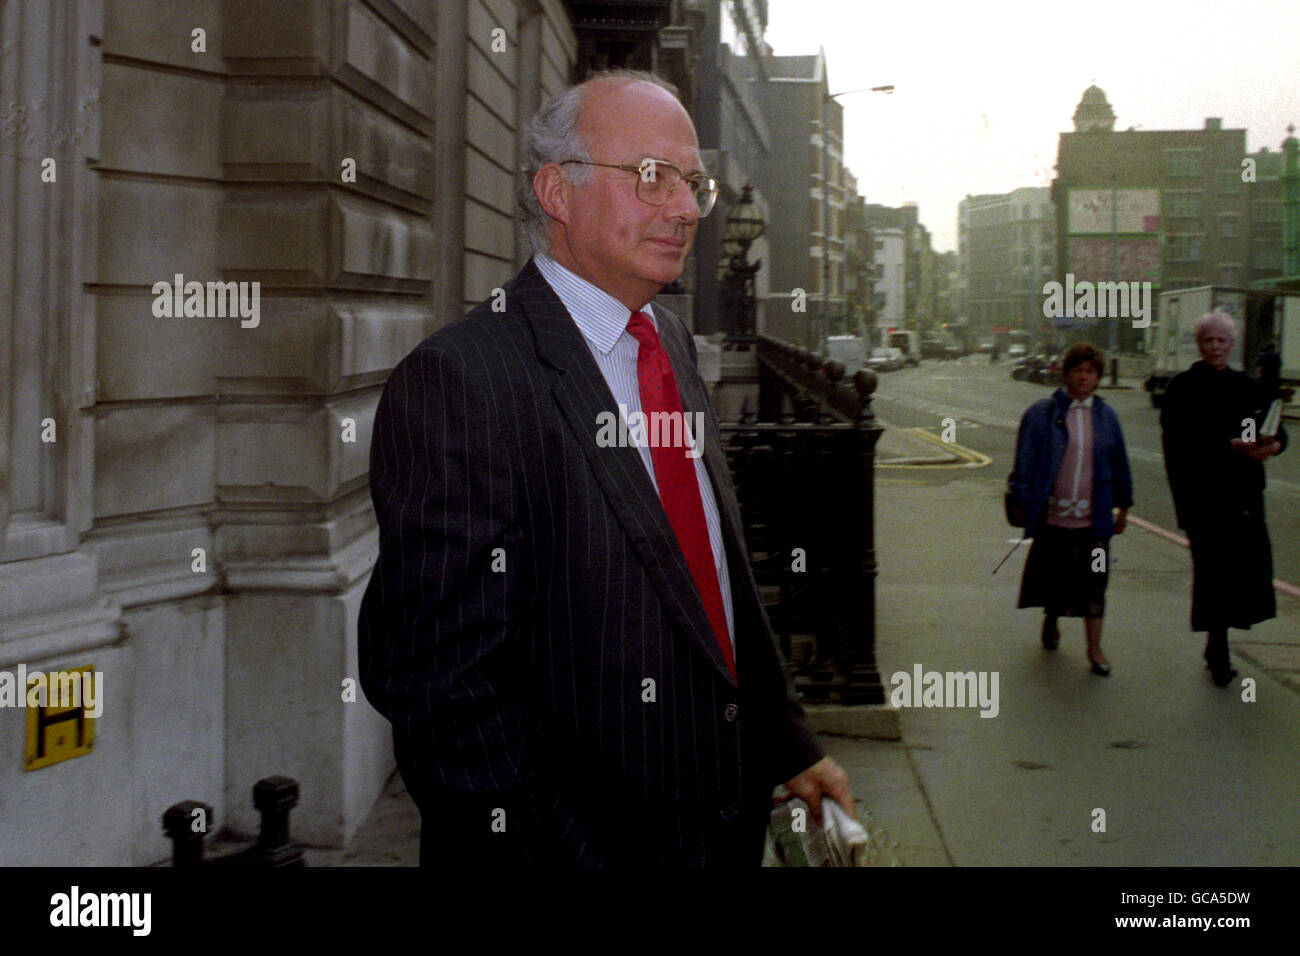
1093, 211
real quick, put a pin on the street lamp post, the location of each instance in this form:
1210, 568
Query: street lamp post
744, 225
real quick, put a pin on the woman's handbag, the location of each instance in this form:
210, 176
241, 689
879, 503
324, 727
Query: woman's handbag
1017, 511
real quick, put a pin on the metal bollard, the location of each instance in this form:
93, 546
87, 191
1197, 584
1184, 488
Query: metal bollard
273, 796
187, 842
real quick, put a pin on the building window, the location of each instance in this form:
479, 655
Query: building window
1266, 212
1184, 248
1229, 226
1267, 257
1230, 275
1183, 162
1183, 204
1230, 181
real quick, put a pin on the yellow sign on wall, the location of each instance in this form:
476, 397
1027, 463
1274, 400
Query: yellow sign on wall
59, 721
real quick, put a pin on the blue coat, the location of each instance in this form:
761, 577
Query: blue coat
1040, 449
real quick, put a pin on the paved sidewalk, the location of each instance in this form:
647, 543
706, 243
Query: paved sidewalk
1188, 772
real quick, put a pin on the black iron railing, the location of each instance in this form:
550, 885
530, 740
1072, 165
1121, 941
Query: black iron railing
804, 469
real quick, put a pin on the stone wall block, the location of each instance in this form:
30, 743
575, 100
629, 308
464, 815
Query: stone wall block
487, 181
487, 83
254, 144
276, 236
483, 275
149, 134
142, 356
489, 231
421, 26
379, 242
382, 65
375, 335
293, 350
285, 710
350, 460
153, 457
488, 134
272, 452
151, 230
480, 32
178, 659
161, 31
385, 151
276, 30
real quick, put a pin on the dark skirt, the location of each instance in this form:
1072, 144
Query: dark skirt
1232, 574
1059, 575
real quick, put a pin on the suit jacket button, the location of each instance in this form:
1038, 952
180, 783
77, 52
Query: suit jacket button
730, 811
730, 712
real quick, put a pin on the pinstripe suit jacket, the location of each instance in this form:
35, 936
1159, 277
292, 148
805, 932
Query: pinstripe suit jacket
566, 687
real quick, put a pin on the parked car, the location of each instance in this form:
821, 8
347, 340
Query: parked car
1041, 369
1049, 372
985, 346
933, 349
1017, 350
1021, 369
885, 359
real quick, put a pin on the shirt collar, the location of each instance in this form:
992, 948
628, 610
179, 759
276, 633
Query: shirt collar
600, 317
1081, 402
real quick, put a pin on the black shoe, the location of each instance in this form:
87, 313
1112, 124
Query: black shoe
1101, 670
1222, 675
1051, 635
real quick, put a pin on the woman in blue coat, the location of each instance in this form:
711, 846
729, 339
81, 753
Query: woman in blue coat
1072, 478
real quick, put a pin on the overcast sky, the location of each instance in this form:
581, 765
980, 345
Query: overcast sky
983, 89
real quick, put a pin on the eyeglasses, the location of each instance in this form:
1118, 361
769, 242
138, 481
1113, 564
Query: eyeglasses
656, 181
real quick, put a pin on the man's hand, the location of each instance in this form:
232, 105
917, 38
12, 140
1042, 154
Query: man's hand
1257, 450
1121, 520
823, 777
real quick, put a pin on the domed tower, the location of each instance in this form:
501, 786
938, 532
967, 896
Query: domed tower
1093, 112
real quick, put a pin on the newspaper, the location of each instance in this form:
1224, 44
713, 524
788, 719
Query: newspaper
1272, 421
796, 839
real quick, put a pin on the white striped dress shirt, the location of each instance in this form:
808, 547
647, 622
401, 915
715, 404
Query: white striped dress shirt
602, 320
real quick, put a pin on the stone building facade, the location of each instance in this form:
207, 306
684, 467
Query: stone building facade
803, 179
1006, 249
184, 504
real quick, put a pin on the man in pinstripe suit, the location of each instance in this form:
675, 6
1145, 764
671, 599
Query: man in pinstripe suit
566, 685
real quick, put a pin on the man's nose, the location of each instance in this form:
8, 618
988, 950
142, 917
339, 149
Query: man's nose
682, 206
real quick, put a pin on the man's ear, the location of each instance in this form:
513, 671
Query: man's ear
549, 187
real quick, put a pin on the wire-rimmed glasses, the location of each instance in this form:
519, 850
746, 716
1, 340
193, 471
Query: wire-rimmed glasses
657, 180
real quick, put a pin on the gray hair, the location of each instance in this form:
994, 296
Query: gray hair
552, 136
1214, 319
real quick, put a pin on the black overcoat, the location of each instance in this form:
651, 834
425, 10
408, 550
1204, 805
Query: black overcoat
1219, 494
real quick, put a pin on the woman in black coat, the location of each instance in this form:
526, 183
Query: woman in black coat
1214, 457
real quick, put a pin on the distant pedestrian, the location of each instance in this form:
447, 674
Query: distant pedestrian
1270, 371
1071, 475
1214, 457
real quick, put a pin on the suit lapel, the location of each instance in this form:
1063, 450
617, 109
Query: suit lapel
581, 393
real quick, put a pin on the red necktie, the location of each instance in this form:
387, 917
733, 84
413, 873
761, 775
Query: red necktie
679, 488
